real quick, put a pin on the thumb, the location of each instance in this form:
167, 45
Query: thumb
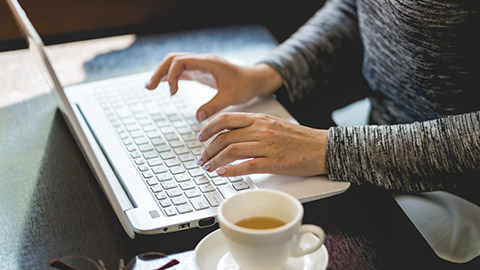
217, 103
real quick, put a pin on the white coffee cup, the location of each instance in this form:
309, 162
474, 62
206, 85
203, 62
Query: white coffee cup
269, 248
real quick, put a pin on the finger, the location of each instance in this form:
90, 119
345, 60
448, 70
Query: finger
184, 76
186, 63
199, 76
233, 152
223, 140
256, 165
161, 72
216, 104
224, 121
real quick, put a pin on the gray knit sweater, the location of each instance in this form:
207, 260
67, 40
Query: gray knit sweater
420, 58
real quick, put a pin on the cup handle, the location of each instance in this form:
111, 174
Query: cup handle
317, 231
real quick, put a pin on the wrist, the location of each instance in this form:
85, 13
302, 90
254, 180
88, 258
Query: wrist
267, 79
323, 151
324, 143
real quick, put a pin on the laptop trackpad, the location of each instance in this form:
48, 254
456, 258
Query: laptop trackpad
303, 188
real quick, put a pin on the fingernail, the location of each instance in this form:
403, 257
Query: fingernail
201, 116
206, 166
199, 137
200, 162
171, 91
147, 84
221, 171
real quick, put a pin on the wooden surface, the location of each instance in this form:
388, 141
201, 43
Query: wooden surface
51, 204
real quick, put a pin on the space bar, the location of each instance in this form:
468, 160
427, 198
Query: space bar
227, 191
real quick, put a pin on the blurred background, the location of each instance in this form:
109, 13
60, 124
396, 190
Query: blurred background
60, 21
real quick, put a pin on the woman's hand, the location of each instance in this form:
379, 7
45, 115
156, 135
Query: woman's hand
271, 145
235, 84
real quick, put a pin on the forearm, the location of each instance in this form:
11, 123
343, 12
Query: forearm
320, 49
422, 156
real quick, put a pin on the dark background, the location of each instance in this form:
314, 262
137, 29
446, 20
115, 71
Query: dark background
60, 21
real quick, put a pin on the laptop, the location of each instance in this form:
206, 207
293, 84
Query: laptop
141, 147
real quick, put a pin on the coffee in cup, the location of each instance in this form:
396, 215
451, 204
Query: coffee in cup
262, 229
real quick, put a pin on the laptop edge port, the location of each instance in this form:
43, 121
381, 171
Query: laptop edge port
206, 222
184, 226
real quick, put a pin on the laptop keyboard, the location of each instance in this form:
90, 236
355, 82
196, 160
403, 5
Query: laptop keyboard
159, 134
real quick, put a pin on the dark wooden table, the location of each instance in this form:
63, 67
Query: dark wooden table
51, 204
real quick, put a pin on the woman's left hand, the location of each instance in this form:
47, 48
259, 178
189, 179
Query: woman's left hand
270, 145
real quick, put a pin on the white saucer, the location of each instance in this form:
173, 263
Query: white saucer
211, 253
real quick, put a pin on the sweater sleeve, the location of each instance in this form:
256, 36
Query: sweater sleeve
325, 45
423, 156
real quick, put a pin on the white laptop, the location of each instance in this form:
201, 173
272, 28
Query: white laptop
141, 146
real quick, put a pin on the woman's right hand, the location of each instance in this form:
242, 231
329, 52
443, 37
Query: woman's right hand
235, 84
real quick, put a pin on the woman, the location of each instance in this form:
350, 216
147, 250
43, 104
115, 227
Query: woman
419, 62
418, 59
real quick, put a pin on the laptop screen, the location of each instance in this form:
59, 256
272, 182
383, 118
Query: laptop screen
35, 44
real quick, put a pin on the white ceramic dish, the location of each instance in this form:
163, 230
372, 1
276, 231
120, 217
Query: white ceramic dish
211, 253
